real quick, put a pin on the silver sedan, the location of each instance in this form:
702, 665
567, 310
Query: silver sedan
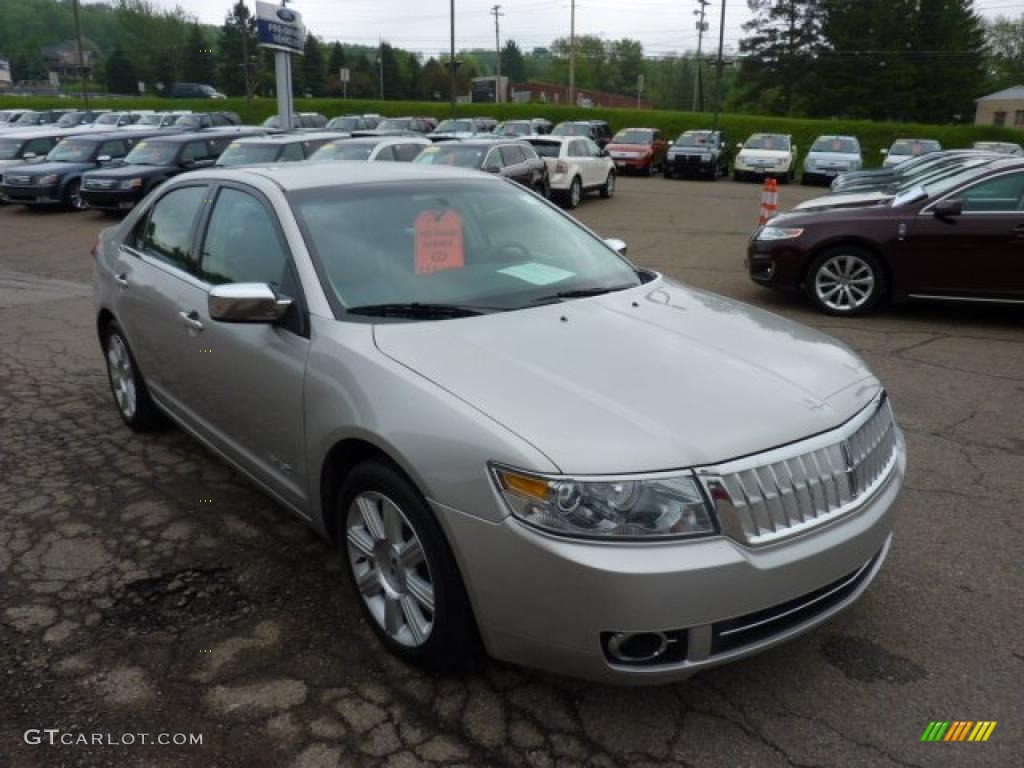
516, 436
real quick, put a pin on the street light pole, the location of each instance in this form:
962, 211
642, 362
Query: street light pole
81, 57
496, 12
718, 84
572, 52
451, 61
698, 90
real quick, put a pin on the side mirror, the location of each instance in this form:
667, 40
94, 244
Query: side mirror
246, 303
948, 208
103, 159
617, 245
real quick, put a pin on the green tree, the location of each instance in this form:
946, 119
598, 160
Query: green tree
236, 74
1006, 52
393, 86
947, 48
513, 65
120, 74
199, 62
313, 67
779, 53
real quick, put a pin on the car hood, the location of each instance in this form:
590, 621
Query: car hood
844, 200
658, 377
677, 150
774, 154
833, 157
127, 171
42, 169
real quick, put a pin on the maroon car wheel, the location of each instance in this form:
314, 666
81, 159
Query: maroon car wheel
846, 280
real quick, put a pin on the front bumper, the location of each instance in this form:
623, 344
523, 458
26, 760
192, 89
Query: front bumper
544, 601
31, 195
637, 163
690, 164
777, 264
112, 199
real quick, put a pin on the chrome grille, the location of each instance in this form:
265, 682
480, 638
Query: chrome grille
17, 180
765, 498
99, 183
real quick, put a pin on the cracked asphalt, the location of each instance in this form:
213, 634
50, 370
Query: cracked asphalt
130, 604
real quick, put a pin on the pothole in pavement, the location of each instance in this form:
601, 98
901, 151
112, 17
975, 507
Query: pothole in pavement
205, 597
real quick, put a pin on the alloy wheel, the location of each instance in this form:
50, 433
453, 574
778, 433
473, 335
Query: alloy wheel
122, 376
844, 283
75, 197
609, 185
390, 568
575, 193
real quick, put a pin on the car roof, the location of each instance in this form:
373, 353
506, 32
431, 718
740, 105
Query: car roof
297, 176
182, 138
551, 139
111, 135
289, 138
637, 128
376, 140
483, 142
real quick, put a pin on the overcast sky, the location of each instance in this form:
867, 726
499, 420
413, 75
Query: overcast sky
663, 26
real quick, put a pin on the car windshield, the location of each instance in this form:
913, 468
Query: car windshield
344, 124
108, 119
837, 145
247, 154
26, 118
452, 154
10, 148
152, 153
768, 141
516, 129
633, 137
547, 148
341, 150
399, 124
998, 146
189, 121
913, 147
69, 121
572, 129
696, 139
474, 244
455, 126
156, 120
69, 151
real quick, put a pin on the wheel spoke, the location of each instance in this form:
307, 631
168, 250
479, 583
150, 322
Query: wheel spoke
410, 554
369, 582
371, 517
392, 522
413, 619
361, 541
421, 590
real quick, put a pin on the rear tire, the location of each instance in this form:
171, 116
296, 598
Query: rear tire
131, 396
73, 196
402, 571
575, 195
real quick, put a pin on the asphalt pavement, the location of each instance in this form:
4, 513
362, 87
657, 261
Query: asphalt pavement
145, 588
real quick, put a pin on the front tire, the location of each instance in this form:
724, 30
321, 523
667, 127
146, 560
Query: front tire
131, 396
608, 190
403, 571
73, 196
846, 280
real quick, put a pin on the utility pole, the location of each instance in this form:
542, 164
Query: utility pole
572, 53
718, 84
380, 63
496, 12
81, 56
246, 66
698, 89
451, 61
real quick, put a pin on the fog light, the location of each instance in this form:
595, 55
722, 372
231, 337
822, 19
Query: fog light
644, 648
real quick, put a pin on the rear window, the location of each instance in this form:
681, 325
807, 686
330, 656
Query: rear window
633, 137
696, 139
837, 145
340, 150
911, 147
572, 129
395, 125
547, 148
452, 154
247, 154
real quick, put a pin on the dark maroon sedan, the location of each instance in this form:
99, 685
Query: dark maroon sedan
957, 239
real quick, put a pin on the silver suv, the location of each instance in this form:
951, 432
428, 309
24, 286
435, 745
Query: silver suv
512, 433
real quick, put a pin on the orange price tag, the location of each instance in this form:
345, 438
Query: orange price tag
439, 244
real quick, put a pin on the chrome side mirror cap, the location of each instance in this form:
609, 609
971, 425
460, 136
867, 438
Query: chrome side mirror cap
619, 246
246, 303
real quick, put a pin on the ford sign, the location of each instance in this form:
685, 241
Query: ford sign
285, 15
279, 28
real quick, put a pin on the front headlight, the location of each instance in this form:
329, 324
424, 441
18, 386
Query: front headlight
670, 506
46, 181
779, 233
131, 184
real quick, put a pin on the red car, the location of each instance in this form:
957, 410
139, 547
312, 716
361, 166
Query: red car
638, 149
957, 238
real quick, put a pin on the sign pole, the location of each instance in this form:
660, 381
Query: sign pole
280, 29
283, 70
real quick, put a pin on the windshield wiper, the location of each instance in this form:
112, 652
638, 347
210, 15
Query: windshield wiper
419, 310
582, 293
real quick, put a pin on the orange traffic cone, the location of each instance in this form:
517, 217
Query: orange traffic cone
769, 201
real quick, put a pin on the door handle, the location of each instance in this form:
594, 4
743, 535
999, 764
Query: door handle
191, 320
121, 279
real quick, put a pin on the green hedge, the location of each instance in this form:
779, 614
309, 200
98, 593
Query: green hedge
873, 136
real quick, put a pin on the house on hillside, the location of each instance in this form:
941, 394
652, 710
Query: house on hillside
63, 57
1005, 107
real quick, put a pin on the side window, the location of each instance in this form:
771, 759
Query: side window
577, 149
292, 152
113, 149
219, 120
493, 160
1002, 194
241, 244
386, 154
512, 155
194, 150
406, 153
592, 149
39, 146
167, 233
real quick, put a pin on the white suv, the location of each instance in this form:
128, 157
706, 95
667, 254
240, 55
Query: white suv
764, 155
831, 155
576, 165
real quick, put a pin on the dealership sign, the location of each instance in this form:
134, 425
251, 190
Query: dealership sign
279, 28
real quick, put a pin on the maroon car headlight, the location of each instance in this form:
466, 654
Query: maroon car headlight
779, 233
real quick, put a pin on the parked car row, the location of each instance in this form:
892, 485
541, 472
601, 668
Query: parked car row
944, 225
